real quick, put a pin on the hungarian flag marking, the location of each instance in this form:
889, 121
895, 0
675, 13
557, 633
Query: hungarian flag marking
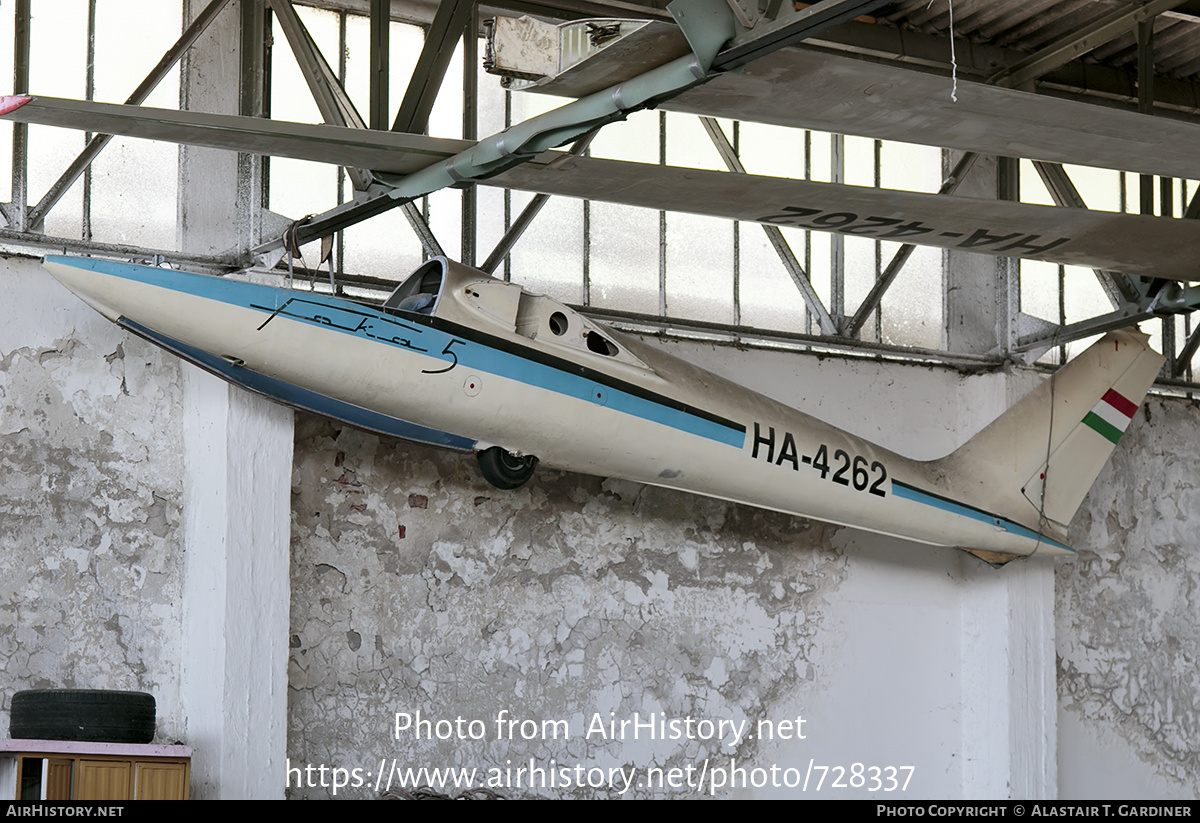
1111, 415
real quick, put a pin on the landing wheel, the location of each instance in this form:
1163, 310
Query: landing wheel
505, 470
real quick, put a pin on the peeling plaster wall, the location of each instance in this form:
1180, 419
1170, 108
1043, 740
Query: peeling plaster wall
1128, 616
416, 588
90, 485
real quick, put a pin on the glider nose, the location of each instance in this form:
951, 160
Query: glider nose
85, 284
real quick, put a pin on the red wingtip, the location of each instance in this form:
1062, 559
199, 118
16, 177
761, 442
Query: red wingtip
13, 102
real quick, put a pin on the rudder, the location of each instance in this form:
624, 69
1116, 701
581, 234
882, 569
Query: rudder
1037, 461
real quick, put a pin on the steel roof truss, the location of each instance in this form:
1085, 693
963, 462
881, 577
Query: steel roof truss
1072, 47
334, 104
449, 23
799, 276
888, 275
1120, 288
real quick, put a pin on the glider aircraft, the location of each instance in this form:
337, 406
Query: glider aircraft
462, 360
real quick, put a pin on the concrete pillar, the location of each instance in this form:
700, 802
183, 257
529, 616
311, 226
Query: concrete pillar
1009, 700
237, 485
237, 490
976, 284
1009, 688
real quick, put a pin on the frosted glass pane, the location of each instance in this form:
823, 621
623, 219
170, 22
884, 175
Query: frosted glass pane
634, 139
489, 101
290, 97
6, 128
860, 270
689, 145
57, 48
1083, 294
405, 42
300, 187
1039, 289
821, 263
384, 246
623, 269
50, 152
699, 268
445, 220
771, 150
1033, 190
528, 104
134, 192
822, 156
549, 257
912, 308
489, 221
445, 120
6, 137
910, 167
860, 161
130, 40
1100, 188
358, 67
768, 297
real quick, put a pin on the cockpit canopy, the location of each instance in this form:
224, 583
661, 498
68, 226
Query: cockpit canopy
460, 294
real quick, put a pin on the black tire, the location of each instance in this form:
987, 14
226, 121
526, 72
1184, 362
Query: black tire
505, 470
83, 714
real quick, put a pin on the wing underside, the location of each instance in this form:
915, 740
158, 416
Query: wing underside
1136, 245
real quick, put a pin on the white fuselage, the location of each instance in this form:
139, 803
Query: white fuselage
529, 385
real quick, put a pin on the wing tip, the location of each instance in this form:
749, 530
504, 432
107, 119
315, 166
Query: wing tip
12, 102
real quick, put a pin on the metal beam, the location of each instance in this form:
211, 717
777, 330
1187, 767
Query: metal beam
380, 61
1186, 353
1145, 83
799, 276
470, 131
420, 227
448, 25
1074, 46
790, 29
337, 108
888, 275
1193, 207
38, 215
1085, 328
1167, 300
17, 215
1119, 288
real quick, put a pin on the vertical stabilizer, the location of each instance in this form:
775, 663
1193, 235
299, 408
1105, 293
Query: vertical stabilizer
1036, 462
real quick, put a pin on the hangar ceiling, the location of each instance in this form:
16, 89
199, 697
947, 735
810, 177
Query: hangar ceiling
907, 72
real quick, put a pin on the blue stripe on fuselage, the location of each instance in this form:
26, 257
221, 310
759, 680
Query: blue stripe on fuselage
369, 323
302, 398
909, 493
